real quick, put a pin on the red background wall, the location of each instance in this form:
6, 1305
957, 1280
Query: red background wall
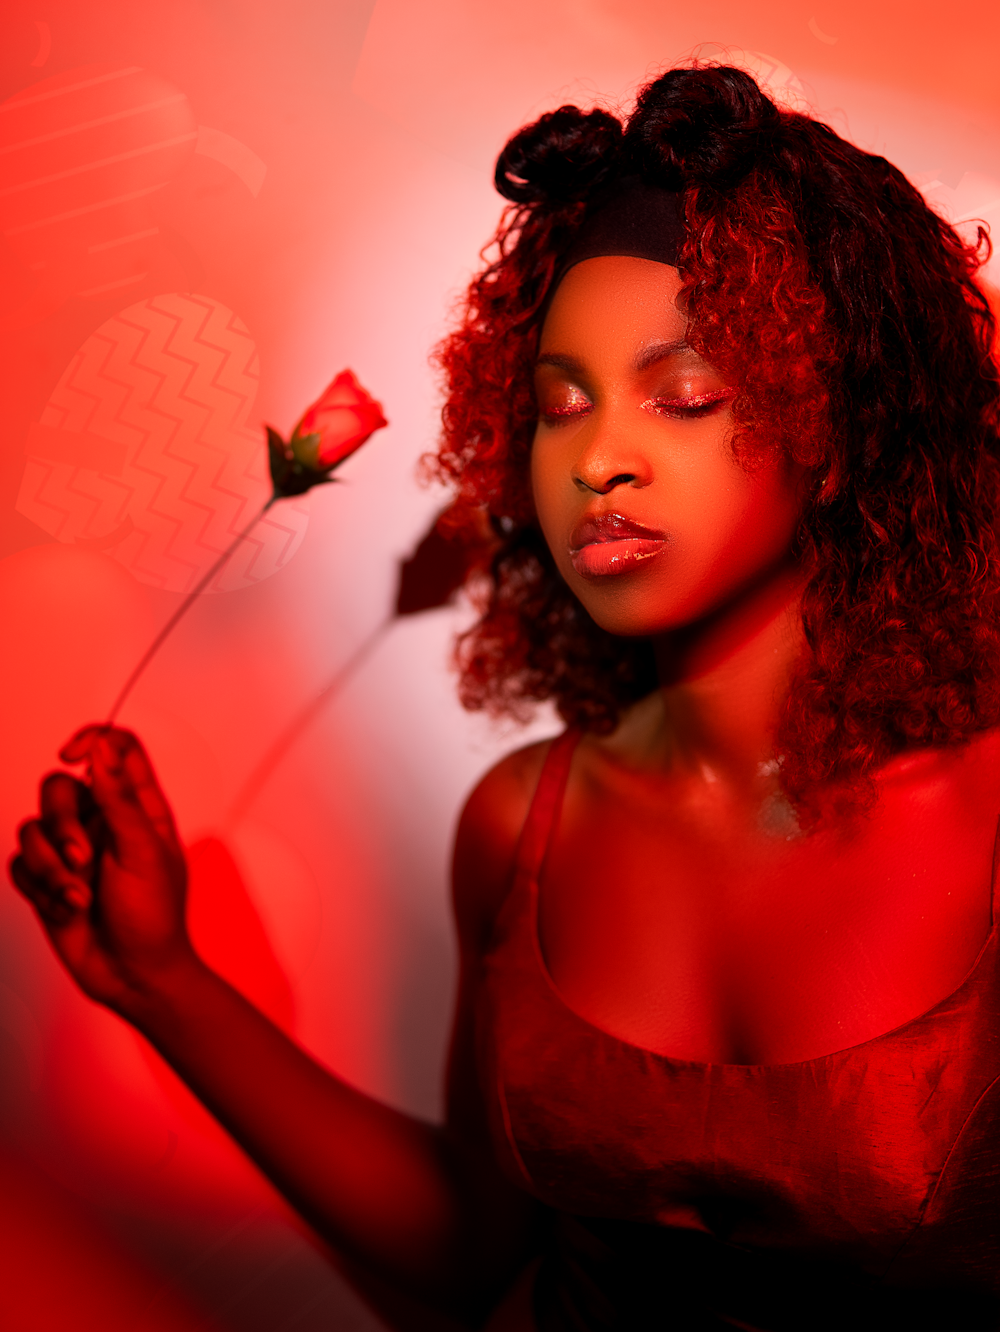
207, 207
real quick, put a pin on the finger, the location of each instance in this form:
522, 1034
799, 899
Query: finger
114, 765
44, 876
120, 767
120, 748
36, 890
123, 782
78, 748
44, 861
54, 912
64, 801
128, 826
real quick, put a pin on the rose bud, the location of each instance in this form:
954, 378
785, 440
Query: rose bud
337, 424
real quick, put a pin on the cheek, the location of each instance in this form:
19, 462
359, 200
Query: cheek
748, 523
552, 496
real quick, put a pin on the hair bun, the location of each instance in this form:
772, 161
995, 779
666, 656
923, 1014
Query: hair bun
559, 158
700, 125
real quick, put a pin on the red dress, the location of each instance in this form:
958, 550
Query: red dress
857, 1190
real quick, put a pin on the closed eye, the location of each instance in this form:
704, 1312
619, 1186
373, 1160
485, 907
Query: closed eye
559, 415
566, 402
700, 404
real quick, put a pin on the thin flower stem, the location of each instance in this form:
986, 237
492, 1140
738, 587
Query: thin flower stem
180, 612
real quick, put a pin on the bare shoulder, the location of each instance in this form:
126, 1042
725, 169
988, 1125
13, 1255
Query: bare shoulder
972, 768
486, 840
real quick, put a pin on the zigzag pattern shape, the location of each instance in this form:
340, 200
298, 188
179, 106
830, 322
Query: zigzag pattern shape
173, 379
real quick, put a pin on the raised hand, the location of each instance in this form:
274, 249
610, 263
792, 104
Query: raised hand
421, 1207
103, 867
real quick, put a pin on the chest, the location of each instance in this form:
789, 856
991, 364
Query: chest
726, 940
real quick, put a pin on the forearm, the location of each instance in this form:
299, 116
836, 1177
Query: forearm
385, 1189
416, 1208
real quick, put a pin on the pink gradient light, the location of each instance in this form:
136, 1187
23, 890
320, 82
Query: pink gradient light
212, 209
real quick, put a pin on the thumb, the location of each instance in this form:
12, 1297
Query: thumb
114, 791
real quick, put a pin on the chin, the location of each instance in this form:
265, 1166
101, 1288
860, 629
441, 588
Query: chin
626, 612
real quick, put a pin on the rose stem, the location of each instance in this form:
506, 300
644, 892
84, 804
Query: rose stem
255, 783
180, 612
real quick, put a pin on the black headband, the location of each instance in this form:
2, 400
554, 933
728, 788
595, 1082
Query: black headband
632, 218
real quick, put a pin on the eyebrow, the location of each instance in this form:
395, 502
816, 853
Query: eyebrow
659, 351
652, 355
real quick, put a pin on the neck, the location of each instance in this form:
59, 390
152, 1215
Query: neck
723, 682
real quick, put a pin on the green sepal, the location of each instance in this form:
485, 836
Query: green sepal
289, 476
305, 449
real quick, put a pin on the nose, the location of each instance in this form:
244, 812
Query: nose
606, 462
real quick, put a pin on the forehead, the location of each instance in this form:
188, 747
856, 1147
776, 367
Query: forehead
613, 302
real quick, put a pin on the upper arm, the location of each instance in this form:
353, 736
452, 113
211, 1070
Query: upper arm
482, 869
485, 852
486, 844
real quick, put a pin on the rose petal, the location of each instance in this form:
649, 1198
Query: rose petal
343, 391
341, 419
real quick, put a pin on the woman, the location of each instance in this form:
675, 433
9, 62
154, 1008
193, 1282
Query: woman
725, 1044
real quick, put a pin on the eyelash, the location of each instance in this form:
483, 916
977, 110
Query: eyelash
687, 408
559, 414
675, 408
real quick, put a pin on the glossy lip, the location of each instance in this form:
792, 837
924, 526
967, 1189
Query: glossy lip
609, 543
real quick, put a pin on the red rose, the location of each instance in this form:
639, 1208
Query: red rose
337, 424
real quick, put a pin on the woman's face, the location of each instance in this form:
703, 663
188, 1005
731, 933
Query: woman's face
650, 519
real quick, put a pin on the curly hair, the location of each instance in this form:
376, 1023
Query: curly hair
846, 314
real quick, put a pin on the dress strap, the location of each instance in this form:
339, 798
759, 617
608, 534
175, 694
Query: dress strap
995, 886
545, 804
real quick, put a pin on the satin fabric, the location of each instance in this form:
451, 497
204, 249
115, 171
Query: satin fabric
859, 1189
